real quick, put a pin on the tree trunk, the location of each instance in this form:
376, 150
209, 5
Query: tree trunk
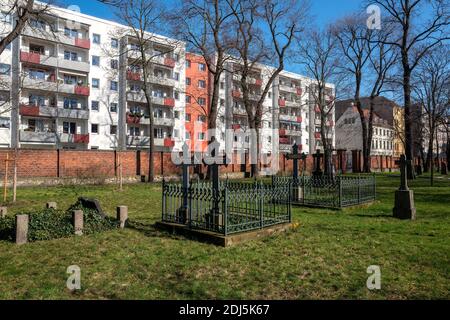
409, 152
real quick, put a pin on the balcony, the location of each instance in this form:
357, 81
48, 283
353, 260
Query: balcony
136, 97
37, 111
29, 110
282, 103
75, 65
37, 58
236, 127
169, 102
168, 82
37, 137
164, 122
82, 114
83, 43
284, 141
133, 118
169, 143
40, 84
282, 132
133, 76
239, 111
82, 90
318, 135
288, 118
236, 94
299, 119
169, 62
74, 138
138, 141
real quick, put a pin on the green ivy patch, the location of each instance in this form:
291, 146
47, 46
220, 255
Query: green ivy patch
50, 224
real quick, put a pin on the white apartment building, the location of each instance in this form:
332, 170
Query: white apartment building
71, 81
79, 87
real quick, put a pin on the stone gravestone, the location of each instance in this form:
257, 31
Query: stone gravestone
317, 163
404, 197
297, 187
444, 169
93, 204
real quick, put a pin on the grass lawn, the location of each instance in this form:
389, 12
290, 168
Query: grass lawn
325, 258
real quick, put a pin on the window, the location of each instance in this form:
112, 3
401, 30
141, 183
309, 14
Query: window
176, 57
188, 63
188, 135
114, 64
113, 107
201, 136
5, 17
201, 118
134, 131
113, 130
68, 55
71, 33
176, 133
69, 79
96, 38
202, 101
69, 127
70, 103
201, 67
35, 100
176, 95
114, 43
135, 87
96, 83
94, 105
94, 128
176, 114
202, 84
188, 99
222, 85
158, 133
114, 86
96, 61
176, 76
188, 81
4, 123
5, 69
188, 117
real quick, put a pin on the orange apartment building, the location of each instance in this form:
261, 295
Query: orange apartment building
197, 101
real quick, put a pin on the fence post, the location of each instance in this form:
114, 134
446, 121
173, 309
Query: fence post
340, 191
261, 205
359, 189
163, 199
374, 186
225, 209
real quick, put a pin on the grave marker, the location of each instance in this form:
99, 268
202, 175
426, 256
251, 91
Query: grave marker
22, 229
404, 197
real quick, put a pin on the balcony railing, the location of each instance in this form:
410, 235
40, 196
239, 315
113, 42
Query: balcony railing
284, 141
83, 43
282, 103
82, 90
29, 110
169, 143
169, 62
138, 141
74, 138
236, 94
133, 76
37, 137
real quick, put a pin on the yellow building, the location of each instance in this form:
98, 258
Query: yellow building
399, 131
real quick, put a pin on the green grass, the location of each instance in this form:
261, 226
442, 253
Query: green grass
325, 258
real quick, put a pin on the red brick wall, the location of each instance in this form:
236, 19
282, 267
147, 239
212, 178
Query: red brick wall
104, 164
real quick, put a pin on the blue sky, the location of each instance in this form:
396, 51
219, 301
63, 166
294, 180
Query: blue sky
323, 11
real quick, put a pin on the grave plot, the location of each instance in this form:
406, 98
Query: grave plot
223, 209
319, 190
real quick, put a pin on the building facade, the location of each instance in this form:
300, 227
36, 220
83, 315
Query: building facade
73, 81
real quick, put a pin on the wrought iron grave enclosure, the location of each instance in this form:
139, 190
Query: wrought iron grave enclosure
327, 191
237, 207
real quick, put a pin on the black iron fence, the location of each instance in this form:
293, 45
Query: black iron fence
329, 192
236, 207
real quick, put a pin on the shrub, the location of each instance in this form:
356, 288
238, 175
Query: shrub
51, 224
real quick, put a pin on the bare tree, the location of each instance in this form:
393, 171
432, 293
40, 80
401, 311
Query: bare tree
143, 18
204, 26
414, 39
283, 20
317, 54
20, 12
431, 85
